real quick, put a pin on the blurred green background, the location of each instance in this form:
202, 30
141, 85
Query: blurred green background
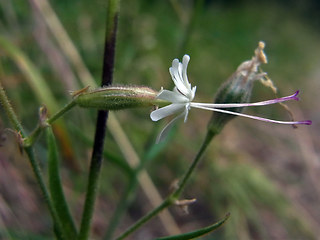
265, 175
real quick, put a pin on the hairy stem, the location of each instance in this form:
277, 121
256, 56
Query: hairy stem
10, 112
65, 109
96, 159
34, 164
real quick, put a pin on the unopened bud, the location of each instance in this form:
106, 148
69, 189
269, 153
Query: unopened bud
237, 89
118, 97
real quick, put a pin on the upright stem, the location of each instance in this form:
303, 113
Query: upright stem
9, 111
96, 159
39, 178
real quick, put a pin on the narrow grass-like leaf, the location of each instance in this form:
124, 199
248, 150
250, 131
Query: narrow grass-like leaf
35, 80
197, 233
55, 188
40, 89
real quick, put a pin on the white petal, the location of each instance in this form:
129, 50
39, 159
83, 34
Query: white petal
172, 96
186, 112
193, 93
163, 112
178, 82
185, 61
164, 132
175, 64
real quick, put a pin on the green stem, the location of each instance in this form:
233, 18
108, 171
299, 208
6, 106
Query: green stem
92, 188
171, 199
9, 111
30, 140
186, 177
96, 159
37, 172
166, 203
34, 164
65, 109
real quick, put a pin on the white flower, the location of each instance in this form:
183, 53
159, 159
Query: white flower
183, 94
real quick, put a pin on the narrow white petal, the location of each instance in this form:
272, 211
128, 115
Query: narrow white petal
172, 96
178, 73
178, 82
175, 63
193, 93
186, 112
164, 132
185, 61
163, 112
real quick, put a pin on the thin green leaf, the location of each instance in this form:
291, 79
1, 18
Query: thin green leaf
55, 188
197, 233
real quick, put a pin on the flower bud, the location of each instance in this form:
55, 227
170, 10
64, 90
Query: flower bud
118, 97
237, 89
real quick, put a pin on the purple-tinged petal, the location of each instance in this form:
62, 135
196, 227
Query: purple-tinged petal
294, 96
305, 122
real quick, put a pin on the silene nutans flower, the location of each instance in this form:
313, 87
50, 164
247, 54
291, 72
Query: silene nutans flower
230, 100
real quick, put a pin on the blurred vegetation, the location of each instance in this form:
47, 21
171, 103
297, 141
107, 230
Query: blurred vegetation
265, 175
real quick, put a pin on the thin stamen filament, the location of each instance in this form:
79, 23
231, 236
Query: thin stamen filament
235, 105
306, 122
